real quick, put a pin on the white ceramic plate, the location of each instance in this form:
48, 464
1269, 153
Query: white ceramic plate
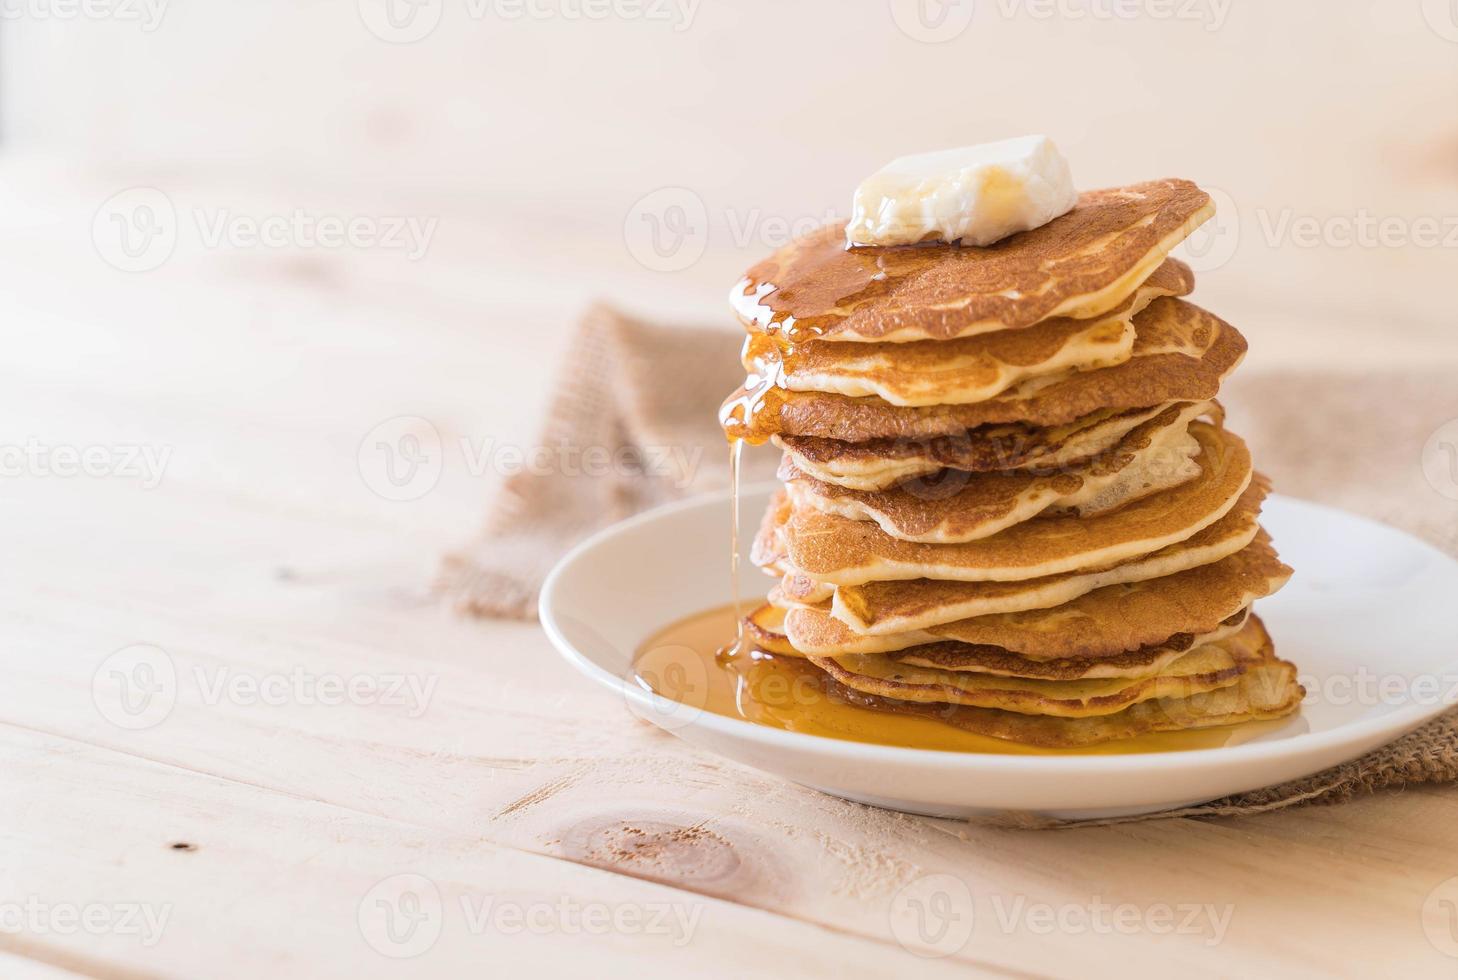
1370, 618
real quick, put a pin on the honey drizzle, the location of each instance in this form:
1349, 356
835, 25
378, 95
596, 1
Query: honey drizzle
736, 450
688, 662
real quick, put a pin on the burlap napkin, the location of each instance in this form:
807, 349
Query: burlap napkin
635, 407
632, 423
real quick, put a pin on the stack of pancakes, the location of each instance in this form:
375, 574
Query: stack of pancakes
1010, 502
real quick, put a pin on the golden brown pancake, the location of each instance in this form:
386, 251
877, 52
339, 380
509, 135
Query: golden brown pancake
1078, 265
769, 550
1181, 353
970, 369
765, 629
882, 463
1103, 623
899, 607
846, 552
1267, 690
1204, 668
1156, 455
950, 655
795, 590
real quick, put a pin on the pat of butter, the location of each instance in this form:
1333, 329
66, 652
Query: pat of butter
973, 195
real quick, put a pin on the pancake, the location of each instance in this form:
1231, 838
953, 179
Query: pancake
898, 607
1181, 353
1103, 623
846, 552
795, 590
970, 369
1156, 455
1204, 668
882, 463
1081, 264
764, 627
953, 656
1266, 690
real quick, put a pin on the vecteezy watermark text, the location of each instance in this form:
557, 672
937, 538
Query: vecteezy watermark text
32, 916
403, 458
938, 21
404, 915
408, 21
137, 687
147, 14
127, 461
138, 229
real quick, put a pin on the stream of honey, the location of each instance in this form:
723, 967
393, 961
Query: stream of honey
697, 661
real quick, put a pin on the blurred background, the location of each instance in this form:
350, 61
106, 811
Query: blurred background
291, 220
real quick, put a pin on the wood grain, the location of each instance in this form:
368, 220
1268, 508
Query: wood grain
262, 555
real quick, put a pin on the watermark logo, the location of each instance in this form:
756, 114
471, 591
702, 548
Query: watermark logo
135, 230
933, 21
1214, 243
933, 916
1442, 18
401, 916
1440, 917
676, 680
667, 230
136, 687
401, 21
1440, 459
401, 458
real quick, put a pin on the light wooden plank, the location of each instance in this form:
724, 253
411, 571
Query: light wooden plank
186, 875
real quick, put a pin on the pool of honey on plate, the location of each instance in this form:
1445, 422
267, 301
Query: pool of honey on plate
698, 661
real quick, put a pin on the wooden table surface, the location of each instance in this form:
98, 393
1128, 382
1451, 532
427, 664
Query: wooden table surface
469, 806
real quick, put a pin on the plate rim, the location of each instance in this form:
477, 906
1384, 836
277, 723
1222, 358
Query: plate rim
1385, 727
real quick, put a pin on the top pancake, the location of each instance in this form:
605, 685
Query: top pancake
968, 369
1079, 265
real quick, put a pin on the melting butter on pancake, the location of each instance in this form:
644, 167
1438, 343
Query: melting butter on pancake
1081, 264
971, 369
882, 463
1201, 669
845, 552
1266, 690
898, 607
1156, 455
1106, 622
1181, 353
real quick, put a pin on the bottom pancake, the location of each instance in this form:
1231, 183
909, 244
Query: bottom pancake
1205, 668
1266, 690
